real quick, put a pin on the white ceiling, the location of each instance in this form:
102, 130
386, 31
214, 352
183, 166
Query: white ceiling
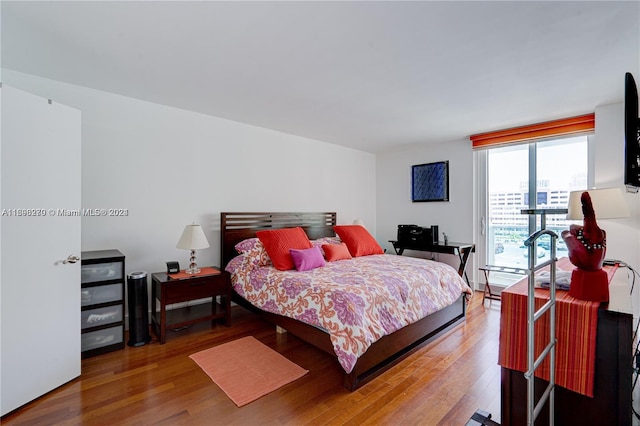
369, 75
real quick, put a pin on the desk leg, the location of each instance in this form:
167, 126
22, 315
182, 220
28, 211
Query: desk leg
464, 257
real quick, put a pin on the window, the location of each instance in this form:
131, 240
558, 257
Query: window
538, 174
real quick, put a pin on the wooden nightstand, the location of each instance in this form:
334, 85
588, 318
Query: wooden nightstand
167, 291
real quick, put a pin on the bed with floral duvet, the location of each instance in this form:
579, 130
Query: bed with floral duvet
369, 310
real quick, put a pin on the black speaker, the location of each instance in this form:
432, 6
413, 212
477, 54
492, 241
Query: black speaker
435, 234
138, 309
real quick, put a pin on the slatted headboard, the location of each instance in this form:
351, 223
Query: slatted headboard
239, 226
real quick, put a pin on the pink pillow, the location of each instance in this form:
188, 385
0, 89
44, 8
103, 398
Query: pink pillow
307, 259
359, 241
333, 252
278, 242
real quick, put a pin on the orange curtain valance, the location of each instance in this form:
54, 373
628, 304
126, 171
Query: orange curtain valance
563, 127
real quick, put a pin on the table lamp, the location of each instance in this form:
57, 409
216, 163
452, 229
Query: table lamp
587, 244
192, 238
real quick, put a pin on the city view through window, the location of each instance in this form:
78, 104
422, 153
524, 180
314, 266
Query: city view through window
561, 166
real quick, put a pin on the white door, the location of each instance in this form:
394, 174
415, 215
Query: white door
39, 294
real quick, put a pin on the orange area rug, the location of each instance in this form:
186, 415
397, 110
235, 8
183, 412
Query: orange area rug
246, 369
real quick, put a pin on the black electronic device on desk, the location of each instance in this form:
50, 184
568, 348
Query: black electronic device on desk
413, 237
414, 234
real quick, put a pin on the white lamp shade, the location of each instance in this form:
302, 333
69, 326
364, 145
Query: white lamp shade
192, 238
607, 203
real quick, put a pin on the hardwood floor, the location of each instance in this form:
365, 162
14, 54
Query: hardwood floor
442, 383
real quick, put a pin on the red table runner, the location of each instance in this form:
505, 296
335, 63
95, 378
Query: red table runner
576, 326
203, 271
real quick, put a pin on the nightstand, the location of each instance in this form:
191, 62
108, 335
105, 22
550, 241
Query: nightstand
166, 291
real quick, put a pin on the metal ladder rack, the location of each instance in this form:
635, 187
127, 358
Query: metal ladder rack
533, 408
481, 417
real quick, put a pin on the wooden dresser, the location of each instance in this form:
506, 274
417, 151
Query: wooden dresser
611, 404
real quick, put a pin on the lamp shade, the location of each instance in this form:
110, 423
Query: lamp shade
192, 238
359, 221
607, 203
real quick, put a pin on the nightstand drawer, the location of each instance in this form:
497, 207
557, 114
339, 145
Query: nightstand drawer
101, 316
194, 288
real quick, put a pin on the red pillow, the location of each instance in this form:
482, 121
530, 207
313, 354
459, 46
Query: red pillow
278, 242
358, 240
333, 252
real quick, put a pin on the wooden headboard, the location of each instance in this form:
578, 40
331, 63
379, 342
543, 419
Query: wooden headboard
239, 226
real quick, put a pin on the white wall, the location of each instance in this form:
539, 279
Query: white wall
171, 167
394, 205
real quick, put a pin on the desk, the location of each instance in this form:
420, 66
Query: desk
462, 250
611, 402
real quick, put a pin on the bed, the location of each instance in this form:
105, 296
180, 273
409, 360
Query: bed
380, 354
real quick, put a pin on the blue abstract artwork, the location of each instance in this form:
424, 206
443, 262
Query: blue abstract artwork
430, 182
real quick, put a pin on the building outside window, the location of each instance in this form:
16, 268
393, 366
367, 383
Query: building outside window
532, 175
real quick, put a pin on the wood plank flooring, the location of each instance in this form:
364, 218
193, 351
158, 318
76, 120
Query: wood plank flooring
442, 383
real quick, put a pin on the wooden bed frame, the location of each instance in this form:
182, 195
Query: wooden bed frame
384, 353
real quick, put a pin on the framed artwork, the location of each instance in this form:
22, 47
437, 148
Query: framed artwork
430, 182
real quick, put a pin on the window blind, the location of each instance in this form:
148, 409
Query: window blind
556, 128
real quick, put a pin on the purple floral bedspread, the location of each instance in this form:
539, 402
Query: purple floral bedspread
356, 301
